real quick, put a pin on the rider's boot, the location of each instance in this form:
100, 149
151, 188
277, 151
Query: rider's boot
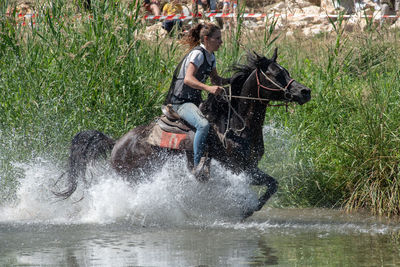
202, 171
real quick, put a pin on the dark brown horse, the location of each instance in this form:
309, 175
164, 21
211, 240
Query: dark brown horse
235, 138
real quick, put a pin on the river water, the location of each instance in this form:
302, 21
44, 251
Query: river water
172, 220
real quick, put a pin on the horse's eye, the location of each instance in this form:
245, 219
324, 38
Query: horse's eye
275, 70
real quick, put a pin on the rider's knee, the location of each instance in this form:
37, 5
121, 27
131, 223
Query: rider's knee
203, 125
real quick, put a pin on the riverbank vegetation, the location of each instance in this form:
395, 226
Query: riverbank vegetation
68, 73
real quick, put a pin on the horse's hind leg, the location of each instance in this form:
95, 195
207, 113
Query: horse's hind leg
260, 178
190, 159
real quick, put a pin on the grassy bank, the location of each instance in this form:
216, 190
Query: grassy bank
346, 139
71, 73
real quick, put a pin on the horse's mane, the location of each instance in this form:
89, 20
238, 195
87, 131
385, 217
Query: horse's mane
215, 107
243, 71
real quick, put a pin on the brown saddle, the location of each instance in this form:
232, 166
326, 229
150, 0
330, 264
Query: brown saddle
171, 132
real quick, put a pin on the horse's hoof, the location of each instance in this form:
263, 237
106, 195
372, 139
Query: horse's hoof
247, 214
259, 207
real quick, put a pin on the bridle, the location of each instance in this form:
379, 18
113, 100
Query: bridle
287, 95
228, 97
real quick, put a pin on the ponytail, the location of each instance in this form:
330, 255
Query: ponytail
196, 34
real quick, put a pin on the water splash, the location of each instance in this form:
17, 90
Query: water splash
171, 196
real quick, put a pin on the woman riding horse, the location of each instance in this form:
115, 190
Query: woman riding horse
189, 79
235, 139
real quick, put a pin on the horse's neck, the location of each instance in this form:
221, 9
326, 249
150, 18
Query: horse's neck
252, 111
257, 116
254, 117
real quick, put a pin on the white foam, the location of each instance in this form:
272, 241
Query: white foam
171, 196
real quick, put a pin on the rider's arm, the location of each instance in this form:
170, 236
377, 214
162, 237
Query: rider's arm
191, 81
216, 79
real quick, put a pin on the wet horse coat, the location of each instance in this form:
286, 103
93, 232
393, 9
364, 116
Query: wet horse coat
235, 138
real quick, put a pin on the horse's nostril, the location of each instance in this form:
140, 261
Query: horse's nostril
305, 92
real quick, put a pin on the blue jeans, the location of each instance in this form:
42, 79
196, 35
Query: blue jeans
212, 3
192, 114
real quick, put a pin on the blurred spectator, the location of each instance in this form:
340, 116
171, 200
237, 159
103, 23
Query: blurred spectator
208, 5
152, 6
172, 8
230, 6
389, 8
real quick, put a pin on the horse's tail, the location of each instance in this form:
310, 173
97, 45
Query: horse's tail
85, 147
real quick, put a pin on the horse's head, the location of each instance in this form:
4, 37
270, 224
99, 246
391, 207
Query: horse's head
260, 80
274, 82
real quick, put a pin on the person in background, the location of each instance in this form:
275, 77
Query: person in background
189, 80
172, 8
152, 6
230, 6
209, 5
389, 8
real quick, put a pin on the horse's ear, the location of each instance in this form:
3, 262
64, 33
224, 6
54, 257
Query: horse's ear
257, 55
275, 56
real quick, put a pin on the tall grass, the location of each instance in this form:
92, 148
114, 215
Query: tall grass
346, 139
70, 73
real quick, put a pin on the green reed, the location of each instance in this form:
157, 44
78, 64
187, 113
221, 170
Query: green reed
344, 142
70, 73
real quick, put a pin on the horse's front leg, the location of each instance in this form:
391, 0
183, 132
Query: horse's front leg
260, 178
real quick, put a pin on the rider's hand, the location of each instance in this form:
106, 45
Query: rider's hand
216, 90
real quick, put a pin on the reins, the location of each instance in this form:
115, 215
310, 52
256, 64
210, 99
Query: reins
228, 98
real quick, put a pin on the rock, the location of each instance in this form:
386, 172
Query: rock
298, 24
396, 25
327, 6
250, 24
289, 33
154, 32
279, 6
299, 4
21, 7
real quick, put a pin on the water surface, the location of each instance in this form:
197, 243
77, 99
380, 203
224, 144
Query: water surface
272, 237
172, 220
